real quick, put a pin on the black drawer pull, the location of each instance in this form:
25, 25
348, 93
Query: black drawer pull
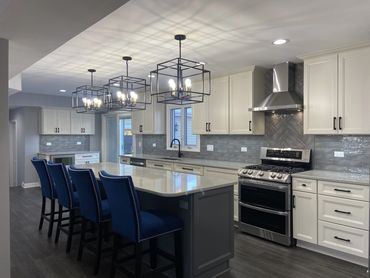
158, 165
341, 211
342, 239
187, 169
342, 190
303, 184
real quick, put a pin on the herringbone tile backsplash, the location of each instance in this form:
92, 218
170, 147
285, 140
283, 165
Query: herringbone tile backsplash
282, 130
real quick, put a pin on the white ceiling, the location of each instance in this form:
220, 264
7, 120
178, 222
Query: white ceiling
37, 27
227, 34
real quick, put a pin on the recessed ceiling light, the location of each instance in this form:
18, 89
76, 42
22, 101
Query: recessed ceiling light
280, 41
62, 90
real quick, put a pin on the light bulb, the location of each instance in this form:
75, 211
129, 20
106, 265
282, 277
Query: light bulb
84, 100
133, 96
187, 84
172, 84
119, 94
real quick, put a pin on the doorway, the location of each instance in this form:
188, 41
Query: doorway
125, 136
13, 153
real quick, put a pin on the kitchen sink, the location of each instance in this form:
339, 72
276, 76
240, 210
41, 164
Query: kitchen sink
170, 158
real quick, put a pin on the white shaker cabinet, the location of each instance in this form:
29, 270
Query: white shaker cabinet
337, 93
321, 95
354, 91
212, 116
305, 216
82, 123
149, 121
55, 121
246, 91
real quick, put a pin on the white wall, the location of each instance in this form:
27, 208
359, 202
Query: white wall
4, 162
38, 100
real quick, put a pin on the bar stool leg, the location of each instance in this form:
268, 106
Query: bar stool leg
60, 216
42, 213
116, 243
138, 260
98, 252
52, 216
82, 239
178, 254
153, 252
70, 229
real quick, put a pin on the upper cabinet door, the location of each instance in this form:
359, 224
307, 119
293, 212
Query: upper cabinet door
64, 121
200, 113
241, 90
218, 106
321, 95
354, 91
49, 121
88, 124
137, 121
76, 123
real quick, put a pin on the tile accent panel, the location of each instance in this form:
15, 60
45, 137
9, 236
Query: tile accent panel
62, 143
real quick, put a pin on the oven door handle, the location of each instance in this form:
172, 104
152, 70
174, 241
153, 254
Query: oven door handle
282, 213
263, 184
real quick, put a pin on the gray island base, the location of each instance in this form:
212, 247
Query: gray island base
204, 203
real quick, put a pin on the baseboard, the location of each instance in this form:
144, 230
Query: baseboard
30, 184
333, 253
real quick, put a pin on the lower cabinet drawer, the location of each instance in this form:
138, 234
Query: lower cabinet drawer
191, 169
344, 211
86, 161
159, 165
87, 156
305, 185
349, 240
344, 190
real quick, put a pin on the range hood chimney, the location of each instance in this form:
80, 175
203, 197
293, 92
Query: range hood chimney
283, 96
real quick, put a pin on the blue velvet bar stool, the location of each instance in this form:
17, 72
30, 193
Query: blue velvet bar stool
92, 209
48, 192
131, 223
67, 198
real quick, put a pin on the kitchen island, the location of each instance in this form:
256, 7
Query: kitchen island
204, 203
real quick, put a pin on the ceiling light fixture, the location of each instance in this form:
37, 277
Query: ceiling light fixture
90, 98
280, 41
131, 92
62, 91
173, 80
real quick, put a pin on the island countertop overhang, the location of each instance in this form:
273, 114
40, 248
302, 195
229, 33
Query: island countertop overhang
164, 183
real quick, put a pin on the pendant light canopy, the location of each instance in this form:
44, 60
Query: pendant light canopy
128, 93
180, 81
90, 98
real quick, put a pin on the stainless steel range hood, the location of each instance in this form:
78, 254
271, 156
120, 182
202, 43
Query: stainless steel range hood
283, 96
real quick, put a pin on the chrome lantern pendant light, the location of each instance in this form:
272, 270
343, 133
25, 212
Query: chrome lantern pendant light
128, 93
90, 98
180, 81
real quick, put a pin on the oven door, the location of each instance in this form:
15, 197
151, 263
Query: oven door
262, 219
264, 194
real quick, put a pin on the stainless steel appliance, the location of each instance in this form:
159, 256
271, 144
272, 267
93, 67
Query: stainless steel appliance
66, 159
138, 162
265, 193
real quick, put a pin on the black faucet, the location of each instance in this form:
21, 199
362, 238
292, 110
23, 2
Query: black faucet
179, 154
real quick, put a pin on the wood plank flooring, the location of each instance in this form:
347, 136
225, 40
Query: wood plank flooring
33, 255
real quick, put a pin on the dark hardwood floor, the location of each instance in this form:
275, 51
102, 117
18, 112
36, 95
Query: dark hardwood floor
33, 255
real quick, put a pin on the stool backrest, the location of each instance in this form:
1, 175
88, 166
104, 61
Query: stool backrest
62, 182
88, 192
46, 182
124, 205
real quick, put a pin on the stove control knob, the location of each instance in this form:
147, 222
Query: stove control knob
250, 172
279, 176
245, 171
273, 175
261, 173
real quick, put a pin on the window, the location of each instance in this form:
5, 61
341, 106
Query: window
125, 135
179, 126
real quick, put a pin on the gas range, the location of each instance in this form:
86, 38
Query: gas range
278, 165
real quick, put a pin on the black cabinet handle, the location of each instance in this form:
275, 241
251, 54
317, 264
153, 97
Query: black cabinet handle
293, 201
250, 125
209, 127
140, 128
303, 184
340, 123
206, 127
334, 123
341, 211
187, 169
56, 130
342, 190
158, 165
342, 239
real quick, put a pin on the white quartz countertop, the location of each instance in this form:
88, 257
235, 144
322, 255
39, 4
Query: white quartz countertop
162, 182
69, 152
334, 176
192, 161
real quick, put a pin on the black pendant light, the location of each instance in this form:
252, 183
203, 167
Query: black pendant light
90, 98
180, 81
128, 93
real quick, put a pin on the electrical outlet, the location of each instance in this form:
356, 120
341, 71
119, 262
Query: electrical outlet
154, 145
209, 148
79, 143
244, 149
338, 154
48, 144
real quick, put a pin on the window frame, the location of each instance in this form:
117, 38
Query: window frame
188, 148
